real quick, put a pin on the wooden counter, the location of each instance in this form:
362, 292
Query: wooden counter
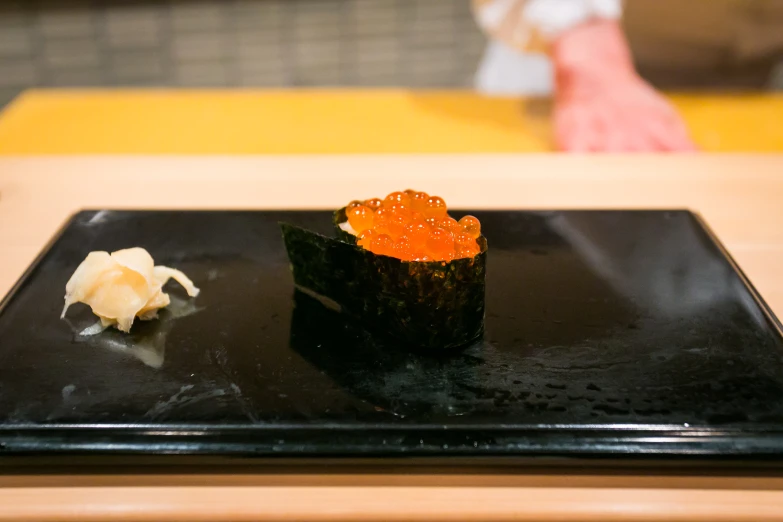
336, 122
739, 196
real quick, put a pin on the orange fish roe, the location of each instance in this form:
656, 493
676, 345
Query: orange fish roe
462, 239
435, 207
440, 244
395, 225
381, 216
403, 249
450, 224
353, 204
471, 250
398, 208
373, 203
417, 231
397, 197
419, 201
413, 226
360, 218
364, 238
382, 244
471, 226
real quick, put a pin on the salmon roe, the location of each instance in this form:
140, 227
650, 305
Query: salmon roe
382, 244
413, 226
471, 226
360, 218
364, 239
372, 203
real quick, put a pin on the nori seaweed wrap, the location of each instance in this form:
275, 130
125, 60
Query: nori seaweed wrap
433, 306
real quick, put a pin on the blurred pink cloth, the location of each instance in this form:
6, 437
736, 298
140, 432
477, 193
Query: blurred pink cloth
601, 103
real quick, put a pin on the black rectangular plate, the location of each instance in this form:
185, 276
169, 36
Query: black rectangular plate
621, 335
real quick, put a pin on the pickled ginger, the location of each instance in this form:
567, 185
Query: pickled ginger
121, 286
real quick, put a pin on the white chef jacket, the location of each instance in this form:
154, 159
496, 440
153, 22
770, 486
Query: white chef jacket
676, 43
511, 65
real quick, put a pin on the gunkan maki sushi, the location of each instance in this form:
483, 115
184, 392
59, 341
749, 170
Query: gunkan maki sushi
400, 266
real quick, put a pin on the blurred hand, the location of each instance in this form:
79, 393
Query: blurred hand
601, 103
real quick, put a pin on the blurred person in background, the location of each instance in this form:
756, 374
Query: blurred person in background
584, 51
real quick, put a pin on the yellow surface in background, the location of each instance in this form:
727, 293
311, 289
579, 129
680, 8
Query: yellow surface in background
335, 121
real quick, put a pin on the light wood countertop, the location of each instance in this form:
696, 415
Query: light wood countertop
738, 195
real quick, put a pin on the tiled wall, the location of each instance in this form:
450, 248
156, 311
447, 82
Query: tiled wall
276, 43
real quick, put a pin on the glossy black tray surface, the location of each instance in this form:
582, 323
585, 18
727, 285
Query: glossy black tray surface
618, 334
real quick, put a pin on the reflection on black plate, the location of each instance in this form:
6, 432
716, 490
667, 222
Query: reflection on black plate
147, 339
